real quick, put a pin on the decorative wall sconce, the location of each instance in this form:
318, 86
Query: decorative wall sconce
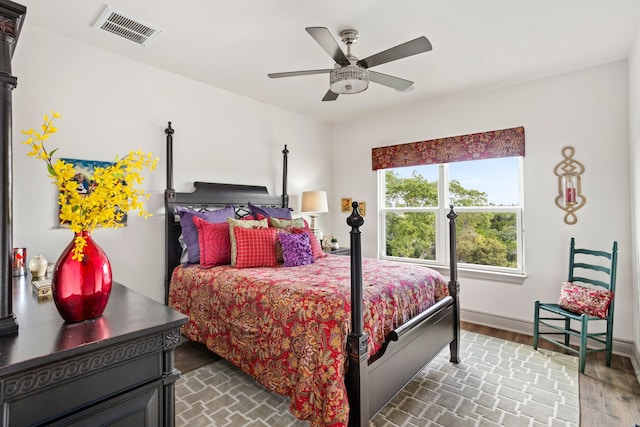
570, 197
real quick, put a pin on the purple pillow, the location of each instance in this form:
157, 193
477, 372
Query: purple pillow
190, 232
282, 213
296, 249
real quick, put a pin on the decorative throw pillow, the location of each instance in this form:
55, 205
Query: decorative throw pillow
584, 300
189, 231
269, 212
284, 223
214, 242
296, 249
256, 247
316, 248
184, 255
242, 223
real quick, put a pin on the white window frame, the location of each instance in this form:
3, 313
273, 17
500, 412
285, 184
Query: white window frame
442, 261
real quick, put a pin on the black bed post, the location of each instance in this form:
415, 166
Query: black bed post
454, 286
12, 16
285, 172
169, 196
356, 381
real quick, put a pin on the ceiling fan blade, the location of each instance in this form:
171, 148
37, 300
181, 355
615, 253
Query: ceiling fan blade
413, 47
393, 82
330, 96
324, 38
298, 73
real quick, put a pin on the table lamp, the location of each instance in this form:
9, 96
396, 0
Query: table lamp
314, 202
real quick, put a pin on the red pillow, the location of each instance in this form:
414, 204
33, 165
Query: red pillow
584, 300
214, 242
255, 247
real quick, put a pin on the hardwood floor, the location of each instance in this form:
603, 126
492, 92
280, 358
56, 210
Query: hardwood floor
609, 397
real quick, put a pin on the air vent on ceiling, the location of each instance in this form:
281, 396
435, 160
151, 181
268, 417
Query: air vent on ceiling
128, 27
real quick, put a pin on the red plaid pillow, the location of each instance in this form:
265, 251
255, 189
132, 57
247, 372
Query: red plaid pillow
214, 242
255, 247
583, 300
238, 223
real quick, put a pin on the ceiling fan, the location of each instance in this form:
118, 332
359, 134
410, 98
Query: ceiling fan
352, 75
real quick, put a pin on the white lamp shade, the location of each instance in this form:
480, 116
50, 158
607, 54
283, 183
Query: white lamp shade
314, 201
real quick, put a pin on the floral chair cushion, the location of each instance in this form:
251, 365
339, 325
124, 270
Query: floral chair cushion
585, 300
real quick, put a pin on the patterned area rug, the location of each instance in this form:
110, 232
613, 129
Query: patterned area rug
498, 383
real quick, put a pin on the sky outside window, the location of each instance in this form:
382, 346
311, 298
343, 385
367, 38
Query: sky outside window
499, 178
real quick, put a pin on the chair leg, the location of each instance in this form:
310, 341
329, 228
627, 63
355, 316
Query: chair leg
536, 326
583, 343
567, 327
609, 346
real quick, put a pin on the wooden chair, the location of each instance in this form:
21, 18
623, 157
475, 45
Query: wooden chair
591, 301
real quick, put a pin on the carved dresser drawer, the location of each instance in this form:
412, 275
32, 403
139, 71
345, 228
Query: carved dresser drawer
117, 369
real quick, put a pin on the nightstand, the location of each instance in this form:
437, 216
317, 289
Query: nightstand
341, 251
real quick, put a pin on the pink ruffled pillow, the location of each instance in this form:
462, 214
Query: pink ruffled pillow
584, 300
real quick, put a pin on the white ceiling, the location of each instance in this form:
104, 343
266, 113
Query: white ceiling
476, 44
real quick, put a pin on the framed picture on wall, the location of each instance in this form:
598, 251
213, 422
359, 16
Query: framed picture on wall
362, 208
84, 171
345, 205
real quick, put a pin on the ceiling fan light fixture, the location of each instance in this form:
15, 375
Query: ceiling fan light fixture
349, 79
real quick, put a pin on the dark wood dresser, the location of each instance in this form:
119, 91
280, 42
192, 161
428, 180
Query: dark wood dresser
114, 370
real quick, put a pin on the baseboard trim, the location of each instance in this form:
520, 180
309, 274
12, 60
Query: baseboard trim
635, 361
621, 347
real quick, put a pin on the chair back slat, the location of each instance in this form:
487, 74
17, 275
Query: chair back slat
590, 281
594, 253
594, 267
603, 264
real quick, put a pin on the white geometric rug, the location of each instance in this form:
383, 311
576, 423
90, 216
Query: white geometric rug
497, 383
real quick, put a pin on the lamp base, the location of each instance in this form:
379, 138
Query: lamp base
316, 231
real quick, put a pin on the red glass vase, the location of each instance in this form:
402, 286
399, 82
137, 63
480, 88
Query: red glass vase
81, 289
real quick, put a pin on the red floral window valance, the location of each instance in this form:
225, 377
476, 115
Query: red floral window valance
483, 145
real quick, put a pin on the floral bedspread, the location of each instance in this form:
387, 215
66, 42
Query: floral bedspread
287, 326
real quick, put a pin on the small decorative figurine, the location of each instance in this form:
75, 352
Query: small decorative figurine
38, 266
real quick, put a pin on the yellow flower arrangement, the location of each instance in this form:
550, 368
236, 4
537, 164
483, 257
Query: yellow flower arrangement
112, 194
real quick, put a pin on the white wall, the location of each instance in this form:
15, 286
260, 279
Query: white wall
111, 105
587, 110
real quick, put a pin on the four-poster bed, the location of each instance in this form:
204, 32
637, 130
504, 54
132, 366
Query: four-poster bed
377, 363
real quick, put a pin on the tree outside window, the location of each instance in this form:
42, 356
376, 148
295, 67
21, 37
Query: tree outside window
486, 196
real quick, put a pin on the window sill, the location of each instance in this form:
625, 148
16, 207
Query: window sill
493, 276
469, 273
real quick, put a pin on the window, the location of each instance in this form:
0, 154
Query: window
487, 198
